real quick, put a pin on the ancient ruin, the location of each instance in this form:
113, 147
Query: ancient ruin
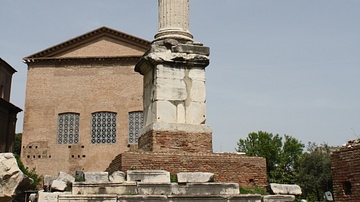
344, 168
172, 160
12, 179
175, 136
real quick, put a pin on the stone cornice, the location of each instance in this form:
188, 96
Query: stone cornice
6, 65
84, 60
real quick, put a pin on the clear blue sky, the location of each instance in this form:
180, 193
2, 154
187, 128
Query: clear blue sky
285, 67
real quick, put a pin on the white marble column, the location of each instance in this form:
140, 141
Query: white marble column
174, 19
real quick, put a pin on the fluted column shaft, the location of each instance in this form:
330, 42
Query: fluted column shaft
173, 19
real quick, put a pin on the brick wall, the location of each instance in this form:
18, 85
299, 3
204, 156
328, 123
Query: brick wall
169, 141
228, 167
345, 166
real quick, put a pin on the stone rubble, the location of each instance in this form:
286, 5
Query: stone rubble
195, 177
12, 179
117, 176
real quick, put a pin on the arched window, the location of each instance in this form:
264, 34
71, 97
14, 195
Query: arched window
103, 128
136, 122
68, 128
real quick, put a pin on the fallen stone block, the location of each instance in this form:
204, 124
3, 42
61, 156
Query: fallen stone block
285, 189
12, 179
96, 177
50, 196
65, 177
193, 189
117, 176
104, 188
47, 180
278, 198
195, 177
148, 176
58, 185
91, 198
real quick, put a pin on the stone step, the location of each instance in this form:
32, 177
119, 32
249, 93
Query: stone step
155, 198
135, 188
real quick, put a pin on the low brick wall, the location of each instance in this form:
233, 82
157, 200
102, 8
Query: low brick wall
345, 166
169, 141
227, 167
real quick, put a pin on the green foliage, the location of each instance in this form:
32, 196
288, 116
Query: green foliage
30, 173
288, 164
315, 172
262, 144
252, 190
282, 158
79, 178
290, 154
17, 144
173, 177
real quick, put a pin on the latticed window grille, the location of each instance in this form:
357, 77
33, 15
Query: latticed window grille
68, 128
103, 128
136, 122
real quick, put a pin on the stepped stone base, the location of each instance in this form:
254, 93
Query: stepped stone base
132, 188
174, 198
227, 167
156, 198
88, 198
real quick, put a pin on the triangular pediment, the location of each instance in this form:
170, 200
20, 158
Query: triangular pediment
102, 42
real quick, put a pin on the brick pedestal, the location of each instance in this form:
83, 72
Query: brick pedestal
227, 167
173, 141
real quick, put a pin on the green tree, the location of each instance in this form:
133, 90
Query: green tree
17, 144
290, 155
262, 144
282, 158
30, 173
315, 172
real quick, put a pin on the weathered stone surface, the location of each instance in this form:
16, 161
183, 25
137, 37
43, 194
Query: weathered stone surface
174, 19
187, 198
194, 49
196, 113
197, 177
65, 177
96, 177
148, 176
165, 111
278, 198
194, 189
50, 196
58, 185
329, 196
11, 177
48, 179
32, 197
198, 92
117, 176
292, 189
85, 188
87, 198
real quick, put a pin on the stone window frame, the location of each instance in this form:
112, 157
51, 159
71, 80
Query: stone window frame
136, 122
103, 127
68, 131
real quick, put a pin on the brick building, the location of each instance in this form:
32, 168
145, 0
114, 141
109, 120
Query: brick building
345, 166
83, 102
83, 111
8, 111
